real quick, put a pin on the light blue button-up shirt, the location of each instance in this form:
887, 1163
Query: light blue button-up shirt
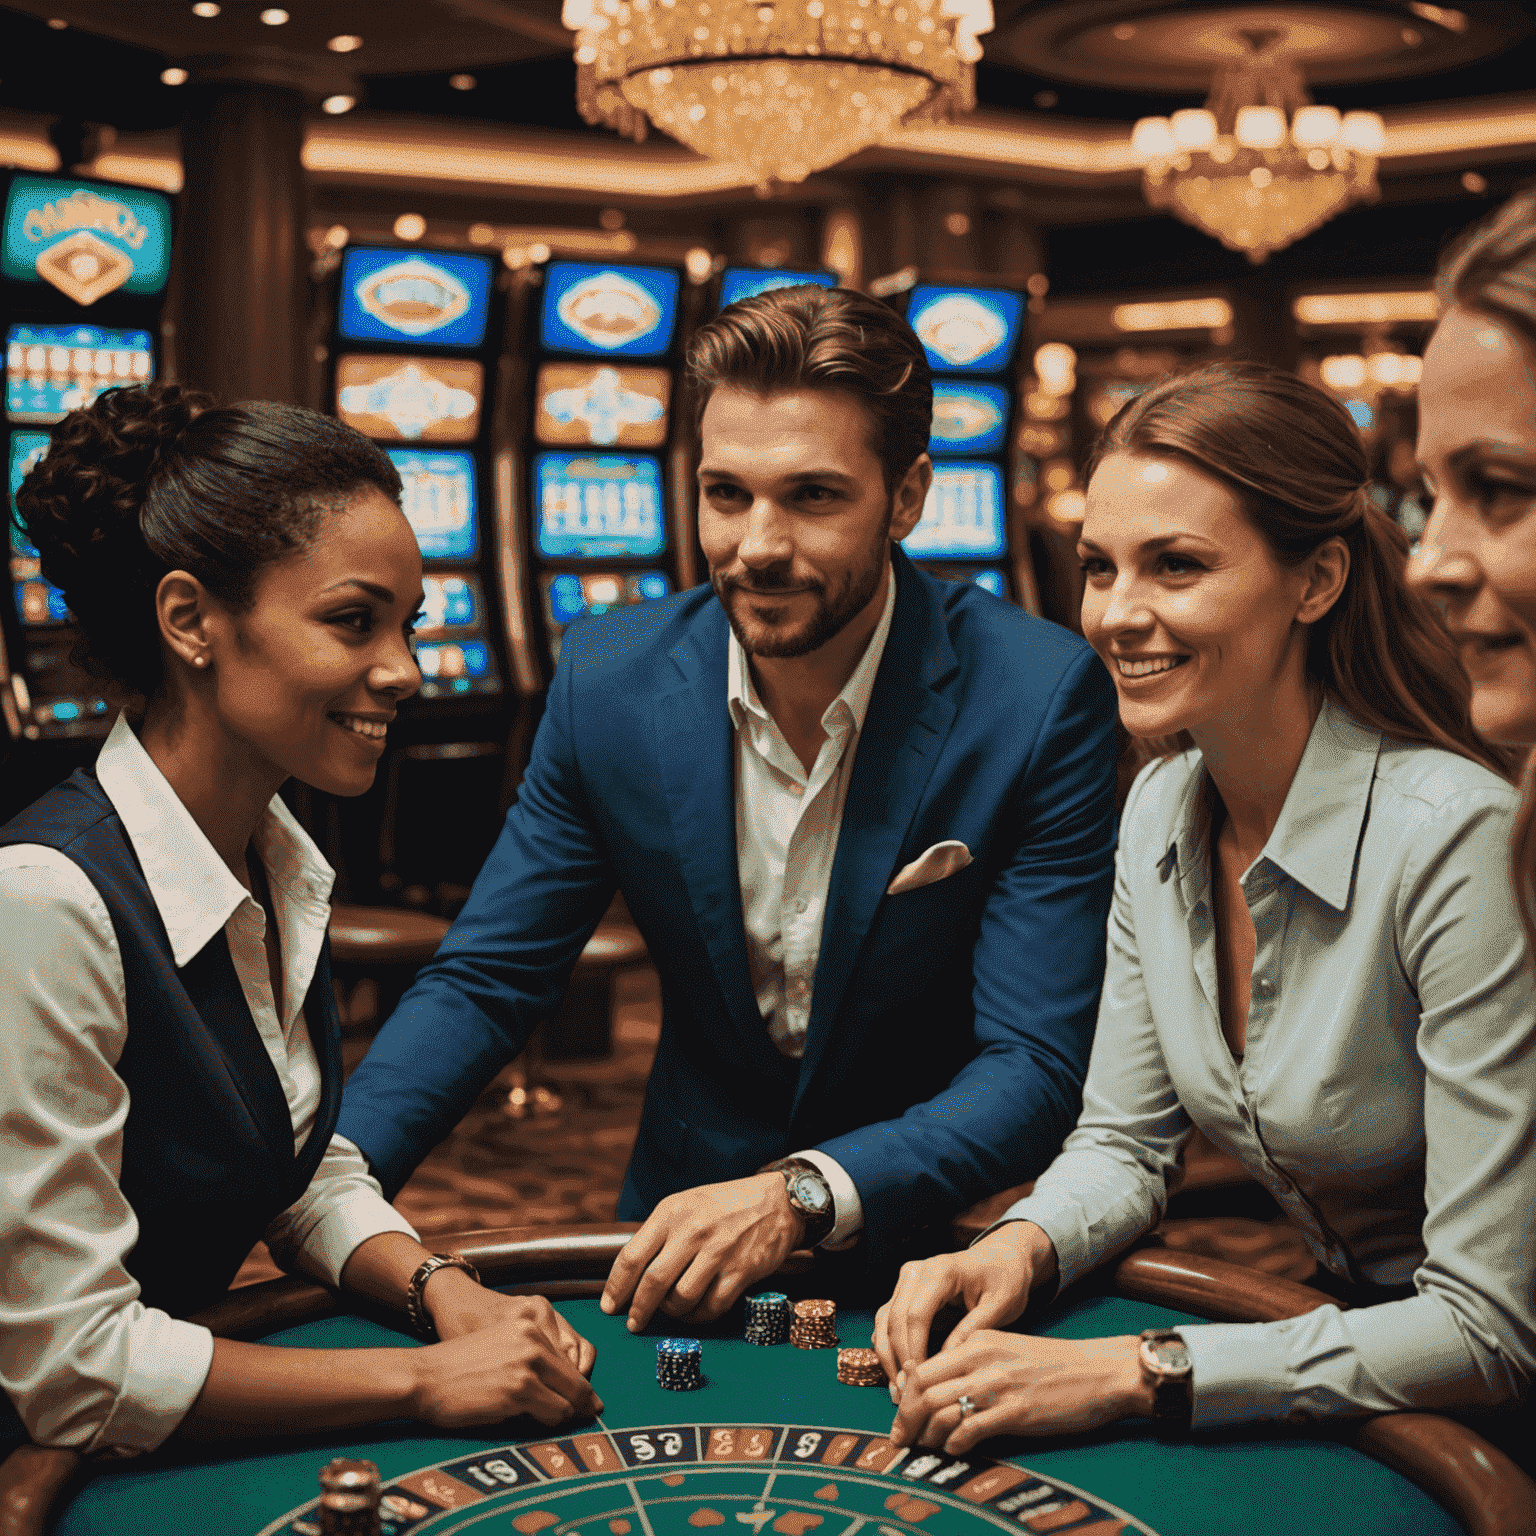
1387, 1093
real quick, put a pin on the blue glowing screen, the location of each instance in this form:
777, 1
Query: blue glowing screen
968, 418
963, 516
438, 498
747, 282
85, 238
598, 506
51, 370
608, 311
967, 330
437, 298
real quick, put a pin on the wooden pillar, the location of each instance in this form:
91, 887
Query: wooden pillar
1013, 248
952, 228
240, 250
901, 242
1263, 328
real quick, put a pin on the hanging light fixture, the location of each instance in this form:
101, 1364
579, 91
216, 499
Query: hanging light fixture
1259, 165
780, 87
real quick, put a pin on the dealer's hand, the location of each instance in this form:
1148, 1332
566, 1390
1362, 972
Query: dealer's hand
458, 1306
509, 1368
1020, 1386
992, 1281
702, 1248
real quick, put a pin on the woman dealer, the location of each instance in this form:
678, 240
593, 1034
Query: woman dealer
169, 1069
1313, 956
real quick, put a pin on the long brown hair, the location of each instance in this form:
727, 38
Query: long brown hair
1295, 460
1492, 268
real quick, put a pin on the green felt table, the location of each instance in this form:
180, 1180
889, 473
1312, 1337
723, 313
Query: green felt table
781, 1469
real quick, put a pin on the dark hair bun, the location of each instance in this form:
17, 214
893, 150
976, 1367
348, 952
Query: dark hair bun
160, 478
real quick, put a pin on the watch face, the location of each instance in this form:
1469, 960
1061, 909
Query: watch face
810, 1192
1172, 1355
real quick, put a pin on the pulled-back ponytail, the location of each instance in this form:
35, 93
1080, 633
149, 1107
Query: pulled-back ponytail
150, 480
1294, 459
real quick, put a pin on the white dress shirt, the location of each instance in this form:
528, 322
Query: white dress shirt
1385, 1093
787, 826
86, 1364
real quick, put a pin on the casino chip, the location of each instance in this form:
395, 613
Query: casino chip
860, 1368
815, 1325
679, 1364
349, 1498
768, 1318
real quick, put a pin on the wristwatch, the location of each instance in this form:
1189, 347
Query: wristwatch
810, 1196
1167, 1368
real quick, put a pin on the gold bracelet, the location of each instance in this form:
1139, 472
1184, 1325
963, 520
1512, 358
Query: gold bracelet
415, 1308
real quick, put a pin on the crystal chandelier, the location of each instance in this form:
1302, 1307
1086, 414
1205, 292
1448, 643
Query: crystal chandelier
781, 88
1259, 165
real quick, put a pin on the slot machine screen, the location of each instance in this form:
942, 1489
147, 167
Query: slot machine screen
601, 405
567, 596
450, 603
988, 577
411, 399
963, 516
747, 282
86, 238
438, 498
37, 601
608, 312
450, 668
437, 298
598, 506
968, 418
967, 330
51, 370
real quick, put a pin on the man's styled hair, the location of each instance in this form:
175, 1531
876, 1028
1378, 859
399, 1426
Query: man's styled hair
807, 337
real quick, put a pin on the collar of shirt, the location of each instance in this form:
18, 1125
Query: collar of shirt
1316, 837
193, 889
852, 702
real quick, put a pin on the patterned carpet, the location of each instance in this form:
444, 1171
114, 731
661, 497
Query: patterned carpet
547, 1143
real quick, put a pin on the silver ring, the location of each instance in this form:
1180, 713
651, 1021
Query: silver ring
966, 1407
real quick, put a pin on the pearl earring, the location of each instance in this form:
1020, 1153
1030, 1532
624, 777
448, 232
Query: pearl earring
199, 661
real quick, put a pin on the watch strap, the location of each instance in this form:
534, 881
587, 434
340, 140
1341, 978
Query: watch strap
415, 1306
818, 1224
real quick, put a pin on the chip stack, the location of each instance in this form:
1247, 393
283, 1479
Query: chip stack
680, 1364
768, 1318
815, 1325
860, 1368
349, 1498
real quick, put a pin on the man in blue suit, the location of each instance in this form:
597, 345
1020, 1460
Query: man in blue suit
863, 817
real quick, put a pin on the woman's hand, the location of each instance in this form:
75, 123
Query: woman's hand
991, 1280
458, 1307
513, 1366
1020, 1386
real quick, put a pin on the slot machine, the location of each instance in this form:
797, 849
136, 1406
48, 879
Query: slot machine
972, 527
747, 282
609, 513
83, 272
412, 365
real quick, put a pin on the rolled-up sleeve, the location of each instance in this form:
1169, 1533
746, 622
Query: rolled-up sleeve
1468, 1338
85, 1364
1110, 1182
342, 1208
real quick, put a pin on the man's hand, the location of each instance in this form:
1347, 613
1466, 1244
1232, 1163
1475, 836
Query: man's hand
458, 1307
702, 1248
992, 1281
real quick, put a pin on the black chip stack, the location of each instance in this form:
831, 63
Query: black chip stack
349, 1498
680, 1364
860, 1368
815, 1325
768, 1318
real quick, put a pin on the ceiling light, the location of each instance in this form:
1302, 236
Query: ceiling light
699, 263
206, 9
336, 105
1172, 315
410, 226
1365, 308
462, 82
482, 234
347, 42
57, 24
173, 77
275, 17
337, 236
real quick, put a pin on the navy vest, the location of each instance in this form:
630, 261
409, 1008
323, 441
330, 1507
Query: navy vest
208, 1156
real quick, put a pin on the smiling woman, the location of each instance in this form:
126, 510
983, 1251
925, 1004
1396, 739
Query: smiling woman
170, 1075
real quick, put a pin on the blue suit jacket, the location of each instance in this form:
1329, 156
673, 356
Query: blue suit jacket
950, 1025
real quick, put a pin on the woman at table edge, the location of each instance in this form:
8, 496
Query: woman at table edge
1314, 951
169, 1060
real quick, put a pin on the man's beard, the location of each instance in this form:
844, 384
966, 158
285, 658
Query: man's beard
832, 613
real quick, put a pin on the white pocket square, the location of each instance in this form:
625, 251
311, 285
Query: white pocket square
938, 863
